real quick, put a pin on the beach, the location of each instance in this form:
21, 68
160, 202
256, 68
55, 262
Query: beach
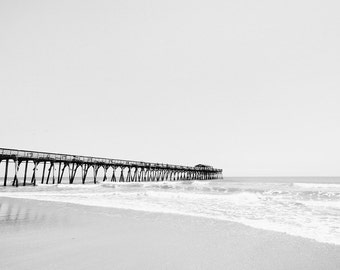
57, 235
169, 135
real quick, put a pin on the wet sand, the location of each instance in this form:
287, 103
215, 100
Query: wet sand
50, 235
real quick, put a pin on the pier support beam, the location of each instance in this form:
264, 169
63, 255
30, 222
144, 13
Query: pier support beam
141, 175
121, 178
72, 172
49, 172
84, 170
95, 171
62, 172
53, 174
33, 180
113, 177
128, 177
43, 173
25, 173
135, 175
16, 169
105, 171
6, 173
144, 176
59, 172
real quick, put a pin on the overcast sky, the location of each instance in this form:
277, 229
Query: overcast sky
252, 87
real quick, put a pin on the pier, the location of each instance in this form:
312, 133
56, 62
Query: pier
54, 168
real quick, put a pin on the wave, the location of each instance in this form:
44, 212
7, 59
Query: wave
284, 208
316, 185
323, 204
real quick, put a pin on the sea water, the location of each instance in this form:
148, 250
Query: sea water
308, 208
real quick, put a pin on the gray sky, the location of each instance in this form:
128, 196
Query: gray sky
252, 87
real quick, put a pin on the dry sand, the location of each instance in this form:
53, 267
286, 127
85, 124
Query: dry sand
49, 235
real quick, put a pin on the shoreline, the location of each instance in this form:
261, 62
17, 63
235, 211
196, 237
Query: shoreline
167, 212
57, 235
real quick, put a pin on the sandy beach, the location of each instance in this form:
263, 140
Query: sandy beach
50, 235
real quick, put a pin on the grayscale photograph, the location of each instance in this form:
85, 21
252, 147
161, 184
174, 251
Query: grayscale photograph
175, 135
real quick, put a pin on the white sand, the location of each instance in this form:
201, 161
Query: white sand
48, 235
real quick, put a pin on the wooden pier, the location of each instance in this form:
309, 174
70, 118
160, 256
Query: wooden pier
128, 170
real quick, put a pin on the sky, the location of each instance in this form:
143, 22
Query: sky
252, 87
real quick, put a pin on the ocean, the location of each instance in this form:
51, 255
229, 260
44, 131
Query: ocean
305, 207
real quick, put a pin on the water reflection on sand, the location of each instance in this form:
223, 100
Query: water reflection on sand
18, 213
